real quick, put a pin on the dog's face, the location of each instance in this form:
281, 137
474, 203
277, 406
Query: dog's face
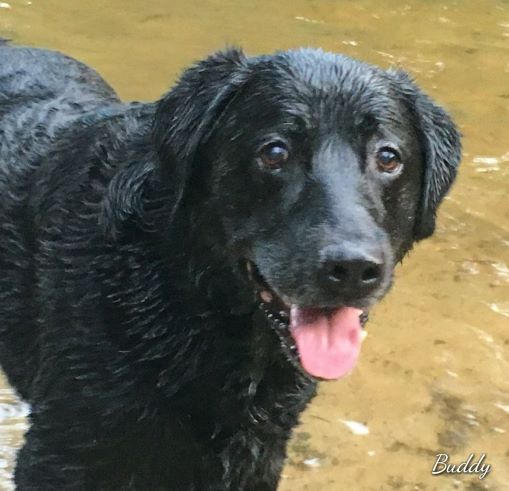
322, 170
318, 186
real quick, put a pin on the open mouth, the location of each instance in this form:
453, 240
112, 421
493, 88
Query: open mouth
323, 342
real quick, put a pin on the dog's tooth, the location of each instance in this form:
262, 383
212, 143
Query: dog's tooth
266, 296
364, 335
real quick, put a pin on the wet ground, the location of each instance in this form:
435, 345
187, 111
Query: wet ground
434, 371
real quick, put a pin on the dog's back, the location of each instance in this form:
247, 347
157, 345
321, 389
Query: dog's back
41, 93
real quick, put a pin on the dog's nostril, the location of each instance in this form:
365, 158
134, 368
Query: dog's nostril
354, 274
371, 274
339, 273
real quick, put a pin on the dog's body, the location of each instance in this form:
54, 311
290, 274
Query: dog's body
126, 318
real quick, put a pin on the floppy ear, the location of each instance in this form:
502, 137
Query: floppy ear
441, 150
184, 119
126, 199
187, 115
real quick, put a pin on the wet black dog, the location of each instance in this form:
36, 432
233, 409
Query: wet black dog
176, 276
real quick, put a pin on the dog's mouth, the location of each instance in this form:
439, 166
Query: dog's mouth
323, 342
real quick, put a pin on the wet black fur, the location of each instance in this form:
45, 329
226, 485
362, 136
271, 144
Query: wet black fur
125, 319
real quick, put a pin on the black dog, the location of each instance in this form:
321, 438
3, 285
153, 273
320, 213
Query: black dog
176, 276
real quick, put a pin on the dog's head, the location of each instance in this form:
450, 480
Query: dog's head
322, 171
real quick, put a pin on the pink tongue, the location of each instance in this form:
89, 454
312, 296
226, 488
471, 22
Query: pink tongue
329, 342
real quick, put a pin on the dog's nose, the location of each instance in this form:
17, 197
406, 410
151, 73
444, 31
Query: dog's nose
355, 274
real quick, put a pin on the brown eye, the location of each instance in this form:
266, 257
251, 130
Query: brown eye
388, 160
274, 155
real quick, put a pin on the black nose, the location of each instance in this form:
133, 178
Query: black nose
355, 274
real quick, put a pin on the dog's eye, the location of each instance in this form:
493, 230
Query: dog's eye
273, 155
388, 160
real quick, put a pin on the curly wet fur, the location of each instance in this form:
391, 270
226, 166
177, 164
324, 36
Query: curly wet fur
125, 320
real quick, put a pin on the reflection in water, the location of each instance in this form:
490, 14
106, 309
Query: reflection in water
433, 375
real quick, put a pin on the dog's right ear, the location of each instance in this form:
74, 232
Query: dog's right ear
187, 115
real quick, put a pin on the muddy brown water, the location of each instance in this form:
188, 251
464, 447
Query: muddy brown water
434, 371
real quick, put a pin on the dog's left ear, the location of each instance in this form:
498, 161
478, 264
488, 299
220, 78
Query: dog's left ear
441, 150
187, 115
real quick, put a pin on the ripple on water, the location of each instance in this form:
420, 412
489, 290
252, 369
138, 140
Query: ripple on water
490, 163
13, 425
500, 308
9, 411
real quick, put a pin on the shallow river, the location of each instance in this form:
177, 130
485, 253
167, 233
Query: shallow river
433, 377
